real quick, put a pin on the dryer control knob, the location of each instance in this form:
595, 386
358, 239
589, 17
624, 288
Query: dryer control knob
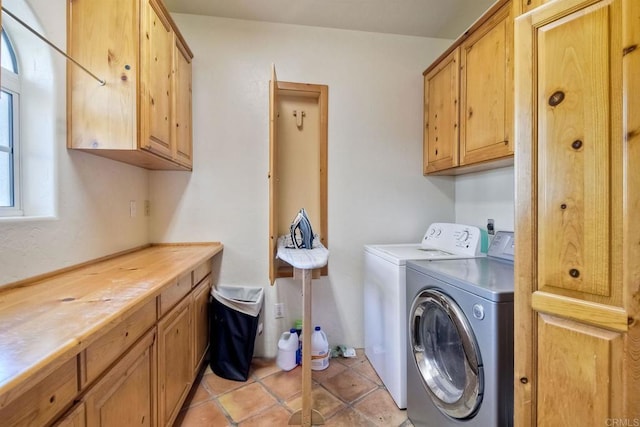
478, 311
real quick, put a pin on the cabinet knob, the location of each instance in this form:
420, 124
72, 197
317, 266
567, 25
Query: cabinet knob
576, 145
575, 273
524, 380
556, 98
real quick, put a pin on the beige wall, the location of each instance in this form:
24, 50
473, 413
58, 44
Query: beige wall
484, 195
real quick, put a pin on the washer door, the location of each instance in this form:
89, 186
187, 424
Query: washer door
446, 354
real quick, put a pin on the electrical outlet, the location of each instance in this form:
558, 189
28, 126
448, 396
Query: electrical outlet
491, 227
278, 309
147, 208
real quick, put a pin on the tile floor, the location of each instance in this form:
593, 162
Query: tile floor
348, 393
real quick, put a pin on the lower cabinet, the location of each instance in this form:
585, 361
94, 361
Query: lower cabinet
75, 417
138, 373
45, 400
200, 323
175, 361
126, 394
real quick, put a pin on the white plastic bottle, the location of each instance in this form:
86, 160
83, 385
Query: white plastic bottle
287, 347
319, 350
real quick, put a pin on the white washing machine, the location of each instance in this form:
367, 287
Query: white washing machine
385, 325
460, 339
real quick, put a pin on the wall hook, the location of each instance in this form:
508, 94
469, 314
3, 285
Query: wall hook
299, 117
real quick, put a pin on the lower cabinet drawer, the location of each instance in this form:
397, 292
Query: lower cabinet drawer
174, 293
201, 271
103, 352
45, 400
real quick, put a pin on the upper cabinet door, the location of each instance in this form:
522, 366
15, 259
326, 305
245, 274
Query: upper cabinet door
103, 36
440, 141
182, 104
157, 63
486, 94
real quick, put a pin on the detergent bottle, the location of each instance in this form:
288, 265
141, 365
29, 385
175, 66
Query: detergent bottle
319, 350
287, 347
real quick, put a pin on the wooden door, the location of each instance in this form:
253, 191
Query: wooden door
182, 104
578, 186
200, 323
440, 140
156, 57
486, 90
126, 395
273, 178
528, 5
175, 361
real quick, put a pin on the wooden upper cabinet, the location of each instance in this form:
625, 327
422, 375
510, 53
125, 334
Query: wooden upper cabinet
486, 94
468, 99
147, 95
183, 134
440, 144
157, 65
576, 309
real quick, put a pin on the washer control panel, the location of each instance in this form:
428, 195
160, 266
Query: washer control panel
458, 239
503, 245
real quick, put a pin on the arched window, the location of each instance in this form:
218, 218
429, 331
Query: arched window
30, 106
10, 201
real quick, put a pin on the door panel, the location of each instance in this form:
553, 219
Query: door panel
157, 46
582, 362
441, 115
575, 130
484, 77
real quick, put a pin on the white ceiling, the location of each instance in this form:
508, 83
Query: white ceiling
425, 18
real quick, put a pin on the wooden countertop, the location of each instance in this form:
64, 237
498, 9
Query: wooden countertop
51, 318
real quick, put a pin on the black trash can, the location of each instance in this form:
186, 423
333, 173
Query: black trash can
235, 312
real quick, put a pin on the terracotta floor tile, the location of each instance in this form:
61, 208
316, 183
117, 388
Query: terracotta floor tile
333, 369
262, 367
205, 414
348, 361
349, 385
323, 402
274, 416
284, 384
348, 393
364, 367
218, 386
348, 417
198, 394
246, 401
380, 408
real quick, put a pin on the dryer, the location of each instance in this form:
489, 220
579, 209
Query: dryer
460, 339
385, 326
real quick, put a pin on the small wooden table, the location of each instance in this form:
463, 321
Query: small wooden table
304, 261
